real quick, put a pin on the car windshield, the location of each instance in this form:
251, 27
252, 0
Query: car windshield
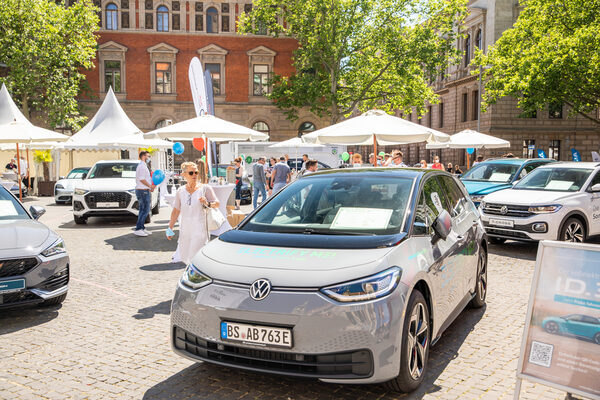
491, 172
77, 173
10, 208
554, 179
112, 170
336, 205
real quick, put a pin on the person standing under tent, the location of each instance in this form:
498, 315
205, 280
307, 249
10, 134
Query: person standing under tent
239, 173
143, 187
437, 164
304, 160
191, 202
449, 168
260, 181
281, 175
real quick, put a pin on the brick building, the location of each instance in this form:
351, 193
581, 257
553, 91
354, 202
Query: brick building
551, 129
145, 48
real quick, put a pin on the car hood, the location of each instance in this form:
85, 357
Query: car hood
70, 184
527, 197
107, 184
23, 235
476, 188
287, 266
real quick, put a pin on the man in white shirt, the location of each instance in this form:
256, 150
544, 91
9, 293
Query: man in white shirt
143, 187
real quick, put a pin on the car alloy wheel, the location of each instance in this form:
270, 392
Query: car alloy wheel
597, 338
574, 232
551, 327
478, 300
418, 341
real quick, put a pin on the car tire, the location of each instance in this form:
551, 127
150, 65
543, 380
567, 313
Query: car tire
79, 220
54, 301
496, 240
573, 230
551, 327
415, 346
597, 338
156, 208
480, 281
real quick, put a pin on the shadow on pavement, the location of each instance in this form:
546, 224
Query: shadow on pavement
163, 267
164, 307
155, 242
514, 249
16, 319
101, 223
204, 380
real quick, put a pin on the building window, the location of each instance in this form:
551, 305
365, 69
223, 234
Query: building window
215, 73
111, 17
554, 150
555, 111
528, 148
261, 29
465, 107
429, 116
225, 23
475, 103
467, 50
163, 77
112, 76
199, 22
212, 20
441, 106
261, 79
478, 39
162, 123
306, 127
261, 127
162, 19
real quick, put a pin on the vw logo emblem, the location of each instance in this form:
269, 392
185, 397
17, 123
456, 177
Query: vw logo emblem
260, 289
504, 210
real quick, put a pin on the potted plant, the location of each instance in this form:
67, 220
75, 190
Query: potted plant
42, 158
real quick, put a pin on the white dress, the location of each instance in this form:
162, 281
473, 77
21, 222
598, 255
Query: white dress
193, 233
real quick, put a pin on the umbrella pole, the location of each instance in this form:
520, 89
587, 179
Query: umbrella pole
468, 160
374, 150
28, 174
19, 173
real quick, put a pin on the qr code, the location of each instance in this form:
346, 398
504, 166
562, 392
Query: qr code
541, 354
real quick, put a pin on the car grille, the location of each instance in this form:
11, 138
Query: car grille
93, 198
56, 281
17, 266
507, 233
510, 211
354, 364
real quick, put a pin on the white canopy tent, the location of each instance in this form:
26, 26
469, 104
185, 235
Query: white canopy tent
375, 127
470, 139
295, 143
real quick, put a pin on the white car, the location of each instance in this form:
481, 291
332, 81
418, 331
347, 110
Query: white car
109, 190
558, 201
63, 189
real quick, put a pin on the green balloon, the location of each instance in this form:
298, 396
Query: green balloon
248, 159
382, 153
203, 158
345, 156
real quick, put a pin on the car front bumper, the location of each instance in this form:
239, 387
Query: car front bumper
522, 228
82, 207
334, 342
63, 195
45, 278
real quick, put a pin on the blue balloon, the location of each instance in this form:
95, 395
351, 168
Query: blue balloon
470, 150
178, 148
158, 176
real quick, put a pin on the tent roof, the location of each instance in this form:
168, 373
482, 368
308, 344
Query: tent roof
109, 123
9, 112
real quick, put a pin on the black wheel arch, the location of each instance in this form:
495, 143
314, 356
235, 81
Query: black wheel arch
574, 214
423, 287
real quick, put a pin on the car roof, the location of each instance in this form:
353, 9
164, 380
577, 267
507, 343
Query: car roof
572, 164
401, 172
516, 161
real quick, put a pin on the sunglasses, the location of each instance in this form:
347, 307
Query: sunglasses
193, 173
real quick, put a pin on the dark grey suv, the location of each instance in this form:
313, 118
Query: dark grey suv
34, 265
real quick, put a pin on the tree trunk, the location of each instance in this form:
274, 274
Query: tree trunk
46, 172
25, 106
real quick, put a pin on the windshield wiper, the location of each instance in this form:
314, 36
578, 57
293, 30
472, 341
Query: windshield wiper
311, 231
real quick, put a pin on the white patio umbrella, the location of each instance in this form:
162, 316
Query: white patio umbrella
470, 139
137, 140
295, 142
376, 127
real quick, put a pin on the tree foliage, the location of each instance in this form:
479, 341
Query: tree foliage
550, 56
46, 46
358, 54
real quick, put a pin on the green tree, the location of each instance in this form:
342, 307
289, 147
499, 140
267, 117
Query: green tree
550, 56
358, 54
46, 46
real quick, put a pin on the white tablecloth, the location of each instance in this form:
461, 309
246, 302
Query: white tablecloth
223, 192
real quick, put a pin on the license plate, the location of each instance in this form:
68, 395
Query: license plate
256, 334
14, 285
107, 204
507, 223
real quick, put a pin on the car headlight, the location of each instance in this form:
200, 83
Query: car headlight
59, 186
193, 278
544, 209
372, 287
80, 192
132, 191
477, 199
57, 247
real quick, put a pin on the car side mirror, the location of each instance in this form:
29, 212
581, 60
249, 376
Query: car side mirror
61, 177
37, 211
84, 175
595, 188
442, 226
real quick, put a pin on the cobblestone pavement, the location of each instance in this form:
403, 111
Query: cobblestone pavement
110, 338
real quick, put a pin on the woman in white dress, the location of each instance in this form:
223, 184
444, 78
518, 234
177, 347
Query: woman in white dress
191, 201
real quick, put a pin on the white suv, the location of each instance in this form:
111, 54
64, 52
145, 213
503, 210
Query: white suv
109, 190
559, 201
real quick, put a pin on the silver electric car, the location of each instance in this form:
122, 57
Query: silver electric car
348, 276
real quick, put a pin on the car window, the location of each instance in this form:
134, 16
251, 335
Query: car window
554, 179
491, 172
429, 207
10, 208
336, 204
455, 200
590, 320
574, 318
113, 170
76, 173
595, 179
528, 168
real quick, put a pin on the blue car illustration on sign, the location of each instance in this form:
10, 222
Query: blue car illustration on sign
577, 325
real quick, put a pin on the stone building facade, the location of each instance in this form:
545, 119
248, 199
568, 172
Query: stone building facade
145, 48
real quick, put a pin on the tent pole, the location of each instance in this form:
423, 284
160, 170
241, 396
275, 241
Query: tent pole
468, 161
28, 174
374, 150
19, 173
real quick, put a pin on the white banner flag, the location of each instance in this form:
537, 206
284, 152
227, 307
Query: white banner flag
198, 87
